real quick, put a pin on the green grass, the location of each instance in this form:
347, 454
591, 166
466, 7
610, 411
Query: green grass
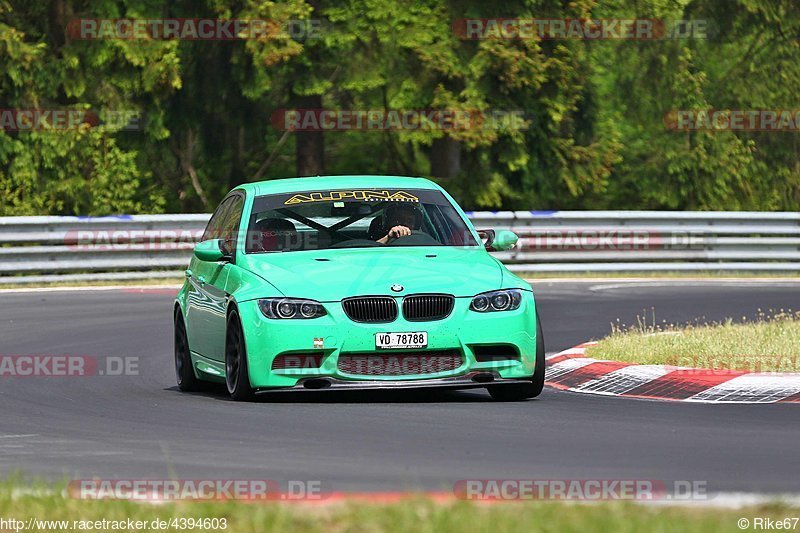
771, 343
417, 515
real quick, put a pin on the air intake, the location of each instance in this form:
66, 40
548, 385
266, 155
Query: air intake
399, 364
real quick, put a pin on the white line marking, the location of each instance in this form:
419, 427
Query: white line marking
670, 281
732, 500
700, 283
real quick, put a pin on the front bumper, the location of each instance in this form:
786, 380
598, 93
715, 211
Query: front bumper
472, 380
335, 334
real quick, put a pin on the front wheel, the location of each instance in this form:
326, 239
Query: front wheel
523, 391
237, 378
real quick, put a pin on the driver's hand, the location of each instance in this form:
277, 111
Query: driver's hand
394, 233
399, 231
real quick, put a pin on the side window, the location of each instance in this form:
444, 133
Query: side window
229, 229
215, 223
439, 224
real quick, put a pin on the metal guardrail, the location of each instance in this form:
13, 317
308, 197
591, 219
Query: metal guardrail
630, 241
40, 249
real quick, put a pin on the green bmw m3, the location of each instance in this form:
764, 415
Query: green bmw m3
353, 282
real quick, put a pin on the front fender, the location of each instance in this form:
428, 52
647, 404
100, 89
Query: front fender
180, 303
244, 286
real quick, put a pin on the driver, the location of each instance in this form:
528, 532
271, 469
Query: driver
401, 219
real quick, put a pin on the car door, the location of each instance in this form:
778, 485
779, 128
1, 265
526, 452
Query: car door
216, 282
207, 298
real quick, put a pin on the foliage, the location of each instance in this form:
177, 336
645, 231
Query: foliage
594, 134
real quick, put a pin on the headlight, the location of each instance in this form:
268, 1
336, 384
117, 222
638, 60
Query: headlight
505, 300
290, 308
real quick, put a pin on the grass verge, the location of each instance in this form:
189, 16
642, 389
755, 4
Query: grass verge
416, 514
770, 343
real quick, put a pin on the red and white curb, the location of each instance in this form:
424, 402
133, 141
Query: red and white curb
571, 370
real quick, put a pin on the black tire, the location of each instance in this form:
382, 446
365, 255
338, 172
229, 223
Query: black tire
184, 373
237, 378
523, 391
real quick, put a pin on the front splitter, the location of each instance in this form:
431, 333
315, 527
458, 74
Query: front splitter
319, 384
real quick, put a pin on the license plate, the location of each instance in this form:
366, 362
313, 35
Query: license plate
414, 339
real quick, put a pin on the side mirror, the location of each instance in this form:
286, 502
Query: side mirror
498, 241
210, 250
504, 240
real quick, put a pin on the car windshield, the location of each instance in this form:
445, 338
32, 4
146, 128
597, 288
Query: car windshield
329, 219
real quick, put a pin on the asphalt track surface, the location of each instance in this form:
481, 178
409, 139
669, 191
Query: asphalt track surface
141, 427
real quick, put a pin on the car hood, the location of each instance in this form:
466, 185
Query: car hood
330, 275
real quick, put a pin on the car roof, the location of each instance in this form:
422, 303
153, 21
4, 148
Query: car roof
315, 183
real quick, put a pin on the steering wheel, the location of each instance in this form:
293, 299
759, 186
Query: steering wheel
354, 243
416, 237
